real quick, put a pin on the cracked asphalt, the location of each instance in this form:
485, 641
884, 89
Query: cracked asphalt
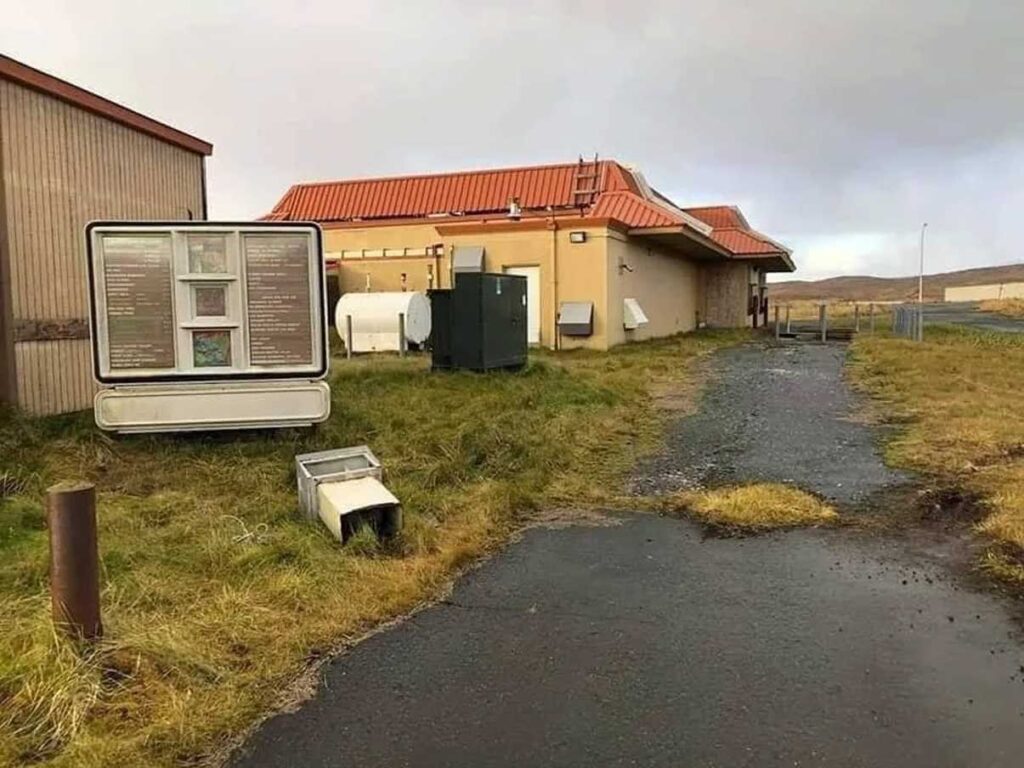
646, 642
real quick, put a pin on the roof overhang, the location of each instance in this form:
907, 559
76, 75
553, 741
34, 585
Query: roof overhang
26, 76
781, 261
684, 240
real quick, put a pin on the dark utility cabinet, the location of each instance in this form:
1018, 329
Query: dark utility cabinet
480, 324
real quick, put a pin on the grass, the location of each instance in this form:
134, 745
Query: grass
958, 398
1006, 307
217, 595
758, 506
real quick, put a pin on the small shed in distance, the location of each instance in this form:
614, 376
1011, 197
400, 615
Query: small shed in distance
68, 156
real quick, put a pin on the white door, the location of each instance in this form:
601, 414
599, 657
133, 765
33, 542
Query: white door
532, 275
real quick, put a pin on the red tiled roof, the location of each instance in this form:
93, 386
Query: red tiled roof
633, 210
470, 192
541, 191
24, 75
743, 241
716, 216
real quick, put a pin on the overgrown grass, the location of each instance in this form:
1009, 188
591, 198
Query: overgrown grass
758, 506
959, 398
216, 595
1006, 307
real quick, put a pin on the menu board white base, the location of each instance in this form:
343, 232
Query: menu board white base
181, 407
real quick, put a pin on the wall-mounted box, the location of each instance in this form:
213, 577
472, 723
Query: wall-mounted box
632, 315
576, 318
206, 304
468, 258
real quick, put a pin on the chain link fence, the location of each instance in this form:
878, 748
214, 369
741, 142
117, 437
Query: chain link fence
907, 321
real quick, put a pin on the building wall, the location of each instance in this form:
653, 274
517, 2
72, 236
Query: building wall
570, 271
666, 285
982, 292
725, 294
63, 167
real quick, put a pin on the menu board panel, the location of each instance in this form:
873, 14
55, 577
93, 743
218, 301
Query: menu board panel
278, 294
139, 293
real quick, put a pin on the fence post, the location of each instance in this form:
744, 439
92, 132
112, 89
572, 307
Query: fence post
788, 329
920, 322
74, 559
401, 334
778, 328
823, 320
348, 336
871, 318
856, 318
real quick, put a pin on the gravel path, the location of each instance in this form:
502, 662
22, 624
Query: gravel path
774, 413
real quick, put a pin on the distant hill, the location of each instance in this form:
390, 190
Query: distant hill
864, 288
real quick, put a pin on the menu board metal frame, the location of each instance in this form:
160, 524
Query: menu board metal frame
186, 321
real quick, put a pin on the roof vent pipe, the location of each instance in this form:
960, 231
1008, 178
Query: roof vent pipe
514, 211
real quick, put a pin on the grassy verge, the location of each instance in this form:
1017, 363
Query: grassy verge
1006, 307
759, 506
216, 595
959, 399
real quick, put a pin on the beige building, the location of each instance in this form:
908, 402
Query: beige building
590, 232
68, 156
984, 292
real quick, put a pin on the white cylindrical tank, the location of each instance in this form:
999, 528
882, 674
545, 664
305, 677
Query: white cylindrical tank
375, 319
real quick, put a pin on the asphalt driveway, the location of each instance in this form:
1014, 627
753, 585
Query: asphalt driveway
967, 313
645, 642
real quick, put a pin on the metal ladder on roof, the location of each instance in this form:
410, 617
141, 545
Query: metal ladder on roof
586, 183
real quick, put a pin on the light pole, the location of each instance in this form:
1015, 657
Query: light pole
920, 289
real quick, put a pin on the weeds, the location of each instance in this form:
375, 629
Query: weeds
758, 506
958, 399
216, 593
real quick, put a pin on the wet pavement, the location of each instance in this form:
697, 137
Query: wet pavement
647, 642
967, 313
775, 413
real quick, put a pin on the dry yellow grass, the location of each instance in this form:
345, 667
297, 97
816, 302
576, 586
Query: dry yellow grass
755, 506
216, 595
1006, 307
959, 397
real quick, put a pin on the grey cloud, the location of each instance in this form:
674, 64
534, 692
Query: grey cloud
830, 122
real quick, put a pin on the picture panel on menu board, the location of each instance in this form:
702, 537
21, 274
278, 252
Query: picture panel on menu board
202, 301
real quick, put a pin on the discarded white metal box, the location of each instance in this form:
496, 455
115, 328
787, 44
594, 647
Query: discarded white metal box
343, 488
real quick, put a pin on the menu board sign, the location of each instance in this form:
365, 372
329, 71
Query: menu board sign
201, 301
277, 284
139, 301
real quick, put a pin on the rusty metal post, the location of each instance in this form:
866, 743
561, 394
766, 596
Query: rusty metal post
778, 328
401, 334
822, 321
348, 336
74, 559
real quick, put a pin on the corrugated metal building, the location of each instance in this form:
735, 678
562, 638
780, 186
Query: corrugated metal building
68, 156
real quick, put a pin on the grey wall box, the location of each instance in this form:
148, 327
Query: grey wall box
480, 324
576, 318
468, 258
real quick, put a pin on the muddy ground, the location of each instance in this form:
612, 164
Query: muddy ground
649, 642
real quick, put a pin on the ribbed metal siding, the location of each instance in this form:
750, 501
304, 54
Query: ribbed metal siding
63, 167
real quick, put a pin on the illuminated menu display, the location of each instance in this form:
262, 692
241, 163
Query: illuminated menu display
139, 293
278, 306
204, 301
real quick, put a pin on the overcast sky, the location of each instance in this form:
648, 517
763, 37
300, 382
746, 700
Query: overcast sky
838, 126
